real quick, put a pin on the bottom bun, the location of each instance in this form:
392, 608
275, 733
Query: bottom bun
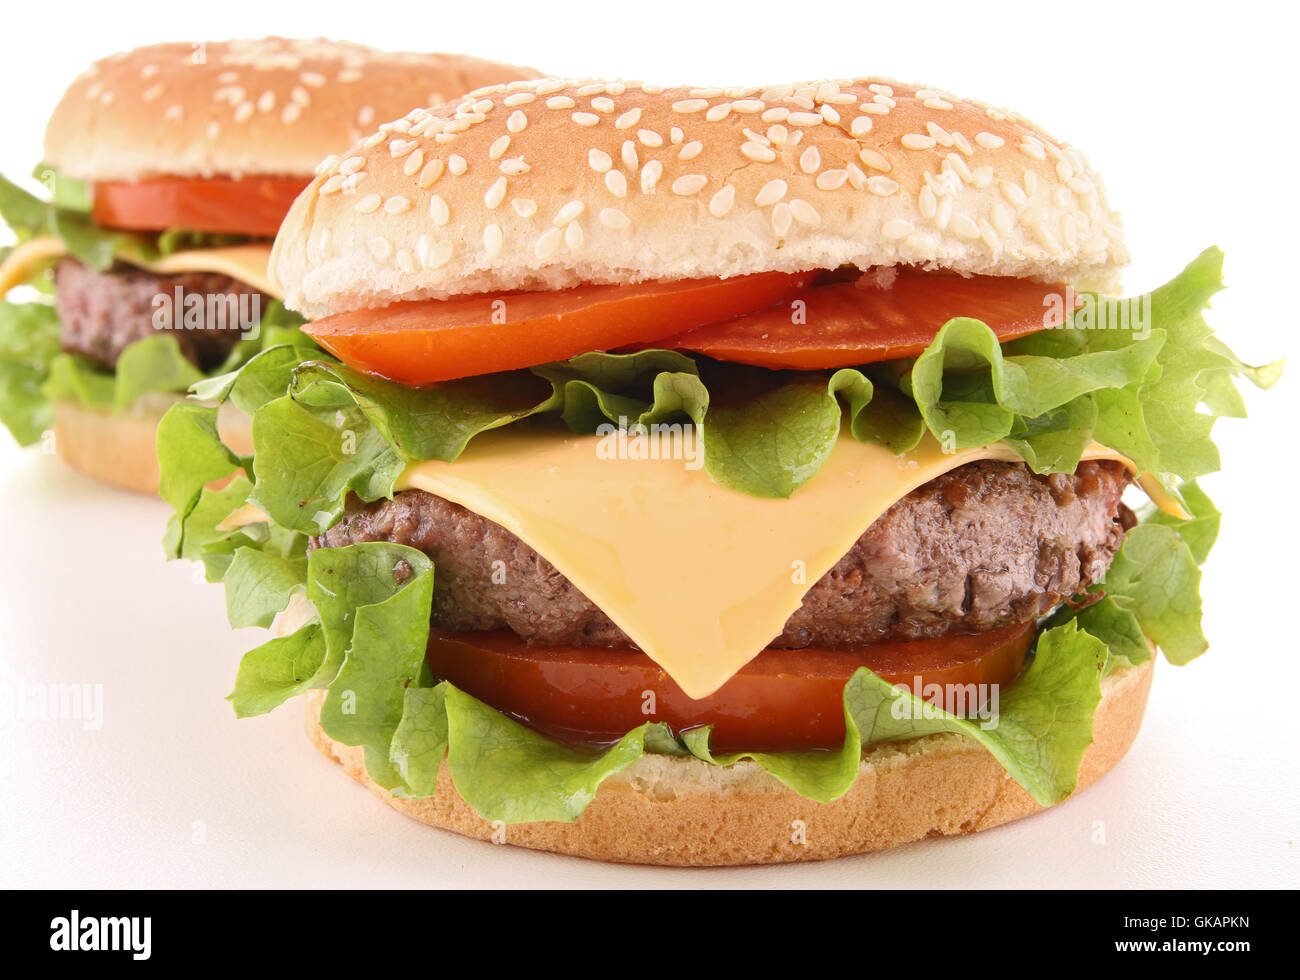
118, 447
670, 810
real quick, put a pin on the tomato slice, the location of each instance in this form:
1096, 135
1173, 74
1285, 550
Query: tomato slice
425, 341
844, 325
781, 700
225, 205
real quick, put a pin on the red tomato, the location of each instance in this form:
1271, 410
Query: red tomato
781, 700
842, 325
225, 205
425, 341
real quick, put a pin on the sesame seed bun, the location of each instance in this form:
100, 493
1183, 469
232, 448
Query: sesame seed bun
271, 106
118, 448
549, 183
682, 811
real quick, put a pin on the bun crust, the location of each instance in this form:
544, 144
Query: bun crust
269, 106
118, 449
550, 183
668, 810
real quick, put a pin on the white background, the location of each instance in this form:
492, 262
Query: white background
1188, 113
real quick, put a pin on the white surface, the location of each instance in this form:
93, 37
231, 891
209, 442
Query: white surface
173, 791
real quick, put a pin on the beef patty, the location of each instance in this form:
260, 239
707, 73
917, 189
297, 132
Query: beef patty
985, 545
101, 313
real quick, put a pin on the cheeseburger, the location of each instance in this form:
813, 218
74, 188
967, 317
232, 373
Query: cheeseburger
169, 169
708, 476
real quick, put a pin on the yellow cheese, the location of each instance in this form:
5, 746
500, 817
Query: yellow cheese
247, 263
699, 576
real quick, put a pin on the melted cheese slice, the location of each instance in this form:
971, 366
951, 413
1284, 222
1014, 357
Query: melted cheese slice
247, 263
701, 577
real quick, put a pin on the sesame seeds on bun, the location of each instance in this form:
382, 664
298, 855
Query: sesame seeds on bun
271, 106
548, 183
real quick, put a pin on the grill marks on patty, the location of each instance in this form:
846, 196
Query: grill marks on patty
985, 545
101, 313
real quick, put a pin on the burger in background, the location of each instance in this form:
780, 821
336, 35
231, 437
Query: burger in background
665, 431
169, 169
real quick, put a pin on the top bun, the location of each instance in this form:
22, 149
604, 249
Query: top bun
272, 106
549, 183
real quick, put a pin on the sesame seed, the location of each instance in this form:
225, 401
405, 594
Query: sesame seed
456, 164
616, 183
549, 243
830, 114
962, 143
719, 112
917, 141
440, 255
519, 98
1081, 186
882, 186
628, 119
495, 194
313, 78
776, 114
1033, 149
943, 105
380, 248
331, 186
810, 160
498, 148
758, 152
290, 113
569, 212
351, 165
603, 104
749, 105
896, 228
430, 174
650, 175
492, 240
873, 109
244, 112
690, 150
722, 201
599, 160
782, 218
591, 88
397, 204
939, 134
963, 227
805, 119
585, 118
829, 180
368, 203
438, 210
1013, 193
649, 137
926, 202
516, 122
857, 179
777, 135
525, 207
352, 182
805, 213
689, 184
771, 192
629, 155
266, 101
560, 102
514, 166
691, 105
875, 160
399, 148
860, 126
413, 163
614, 218
406, 262
573, 235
